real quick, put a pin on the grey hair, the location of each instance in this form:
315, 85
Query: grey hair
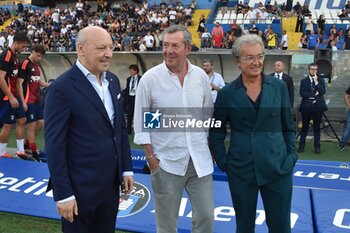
245, 39
179, 28
208, 60
81, 37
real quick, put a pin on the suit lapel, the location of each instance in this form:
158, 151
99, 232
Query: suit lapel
84, 87
115, 96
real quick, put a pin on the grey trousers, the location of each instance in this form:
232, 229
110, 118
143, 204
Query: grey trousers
167, 193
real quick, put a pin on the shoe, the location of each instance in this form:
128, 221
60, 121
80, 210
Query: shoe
22, 155
317, 151
6, 155
301, 150
341, 147
36, 156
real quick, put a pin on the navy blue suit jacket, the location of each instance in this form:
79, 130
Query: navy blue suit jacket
86, 155
309, 98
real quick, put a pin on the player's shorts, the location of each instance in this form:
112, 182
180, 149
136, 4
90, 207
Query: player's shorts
35, 112
14, 113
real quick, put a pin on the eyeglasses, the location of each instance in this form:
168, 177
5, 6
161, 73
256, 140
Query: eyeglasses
251, 59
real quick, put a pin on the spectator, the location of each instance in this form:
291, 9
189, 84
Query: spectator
347, 41
272, 40
321, 23
343, 15
312, 40
309, 25
149, 39
217, 34
347, 7
2, 40
206, 39
284, 41
303, 42
158, 40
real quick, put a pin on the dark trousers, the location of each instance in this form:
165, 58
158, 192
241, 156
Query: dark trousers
93, 218
315, 114
130, 110
276, 197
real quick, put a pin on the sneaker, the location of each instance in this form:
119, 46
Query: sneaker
6, 155
36, 156
22, 155
341, 147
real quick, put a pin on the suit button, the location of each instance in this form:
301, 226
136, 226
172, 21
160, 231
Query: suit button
114, 138
252, 135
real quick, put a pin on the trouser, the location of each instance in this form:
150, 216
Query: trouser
276, 198
346, 132
93, 218
167, 191
315, 114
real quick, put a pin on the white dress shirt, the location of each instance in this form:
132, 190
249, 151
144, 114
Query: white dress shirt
218, 80
160, 88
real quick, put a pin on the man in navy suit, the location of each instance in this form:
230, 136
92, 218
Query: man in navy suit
312, 89
87, 146
279, 74
130, 92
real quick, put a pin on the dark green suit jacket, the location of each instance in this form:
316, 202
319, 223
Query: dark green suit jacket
262, 142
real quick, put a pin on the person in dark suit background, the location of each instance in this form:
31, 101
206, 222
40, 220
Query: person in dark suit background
312, 89
130, 92
279, 73
258, 109
87, 146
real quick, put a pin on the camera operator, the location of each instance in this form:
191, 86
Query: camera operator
312, 89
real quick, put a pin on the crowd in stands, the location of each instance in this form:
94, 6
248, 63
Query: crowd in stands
133, 27
336, 38
139, 27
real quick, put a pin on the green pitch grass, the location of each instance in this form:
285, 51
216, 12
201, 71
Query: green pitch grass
13, 223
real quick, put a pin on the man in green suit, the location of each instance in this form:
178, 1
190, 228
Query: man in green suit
261, 155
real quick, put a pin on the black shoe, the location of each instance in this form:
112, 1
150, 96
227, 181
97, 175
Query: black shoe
341, 147
35, 156
301, 150
317, 151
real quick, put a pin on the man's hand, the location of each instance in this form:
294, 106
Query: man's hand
68, 209
128, 184
153, 163
25, 106
214, 86
13, 102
